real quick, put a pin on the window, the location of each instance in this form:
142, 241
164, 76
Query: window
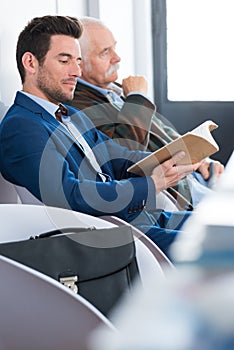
193, 64
200, 50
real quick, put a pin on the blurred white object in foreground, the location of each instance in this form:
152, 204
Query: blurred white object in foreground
193, 307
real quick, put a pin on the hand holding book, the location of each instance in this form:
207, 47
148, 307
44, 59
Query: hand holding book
197, 145
169, 173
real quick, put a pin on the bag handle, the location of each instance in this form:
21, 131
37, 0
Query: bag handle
62, 231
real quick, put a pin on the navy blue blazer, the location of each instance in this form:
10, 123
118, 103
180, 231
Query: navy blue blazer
37, 152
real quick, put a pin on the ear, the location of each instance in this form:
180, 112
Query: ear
81, 63
82, 66
29, 62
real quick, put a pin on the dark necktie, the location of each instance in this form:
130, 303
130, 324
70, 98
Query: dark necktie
62, 116
62, 110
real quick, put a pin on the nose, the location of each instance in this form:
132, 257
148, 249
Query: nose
76, 69
79, 71
115, 58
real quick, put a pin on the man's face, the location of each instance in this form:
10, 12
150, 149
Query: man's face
100, 65
56, 77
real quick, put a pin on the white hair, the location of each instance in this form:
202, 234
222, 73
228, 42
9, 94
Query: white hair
88, 23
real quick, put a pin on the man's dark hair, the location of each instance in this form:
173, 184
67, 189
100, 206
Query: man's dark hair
35, 37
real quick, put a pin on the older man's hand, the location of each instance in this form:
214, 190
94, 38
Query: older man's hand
205, 168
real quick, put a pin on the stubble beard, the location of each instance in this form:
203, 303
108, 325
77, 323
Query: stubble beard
52, 92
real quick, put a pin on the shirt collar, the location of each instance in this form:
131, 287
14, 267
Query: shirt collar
47, 105
97, 88
115, 97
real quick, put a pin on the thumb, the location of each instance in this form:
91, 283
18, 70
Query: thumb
177, 157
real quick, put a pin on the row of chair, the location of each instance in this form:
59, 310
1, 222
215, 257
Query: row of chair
43, 313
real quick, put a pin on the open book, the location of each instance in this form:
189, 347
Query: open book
197, 145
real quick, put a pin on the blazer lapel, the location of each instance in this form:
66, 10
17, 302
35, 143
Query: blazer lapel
35, 108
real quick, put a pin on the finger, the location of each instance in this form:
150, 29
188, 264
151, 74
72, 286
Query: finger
205, 170
218, 168
183, 170
174, 160
197, 166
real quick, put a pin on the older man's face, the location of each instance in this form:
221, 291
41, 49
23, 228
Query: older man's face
100, 65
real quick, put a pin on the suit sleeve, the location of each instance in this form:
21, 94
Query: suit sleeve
53, 172
128, 126
133, 123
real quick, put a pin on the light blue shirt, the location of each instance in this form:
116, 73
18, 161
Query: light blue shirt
47, 105
116, 97
104, 92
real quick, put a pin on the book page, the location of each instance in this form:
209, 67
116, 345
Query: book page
204, 130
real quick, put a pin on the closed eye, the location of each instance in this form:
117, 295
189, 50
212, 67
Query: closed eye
63, 61
105, 52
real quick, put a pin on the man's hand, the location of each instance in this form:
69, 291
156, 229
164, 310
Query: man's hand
133, 84
169, 173
204, 168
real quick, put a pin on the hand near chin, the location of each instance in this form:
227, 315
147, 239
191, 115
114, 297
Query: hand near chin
134, 84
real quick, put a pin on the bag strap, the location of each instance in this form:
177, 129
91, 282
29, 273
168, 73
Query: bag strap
62, 231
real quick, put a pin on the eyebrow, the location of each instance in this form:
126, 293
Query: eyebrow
109, 47
103, 50
64, 54
106, 48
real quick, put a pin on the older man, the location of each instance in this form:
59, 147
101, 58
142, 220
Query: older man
124, 112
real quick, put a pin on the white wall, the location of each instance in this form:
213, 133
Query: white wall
72, 7
121, 24
14, 15
128, 19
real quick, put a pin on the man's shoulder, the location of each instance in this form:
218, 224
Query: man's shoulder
85, 96
88, 90
26, 104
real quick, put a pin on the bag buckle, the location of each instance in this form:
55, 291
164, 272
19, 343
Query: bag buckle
70, 282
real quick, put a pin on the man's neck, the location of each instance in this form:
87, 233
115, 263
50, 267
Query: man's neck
93, 86
38, 93
104, 86
110, 86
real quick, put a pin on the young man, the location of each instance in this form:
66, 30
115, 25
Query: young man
72, 164
126, 114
